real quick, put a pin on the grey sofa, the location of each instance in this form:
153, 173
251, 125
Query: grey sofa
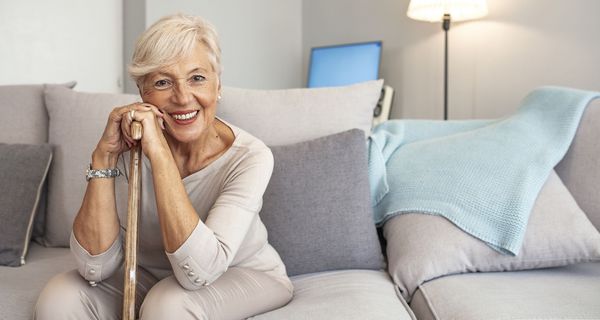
347, 278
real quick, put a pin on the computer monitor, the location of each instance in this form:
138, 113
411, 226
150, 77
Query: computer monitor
344, 64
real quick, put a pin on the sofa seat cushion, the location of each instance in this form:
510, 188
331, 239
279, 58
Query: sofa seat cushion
346, 294
570, 292
20, 287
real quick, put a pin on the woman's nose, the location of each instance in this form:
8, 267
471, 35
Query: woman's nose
182, 94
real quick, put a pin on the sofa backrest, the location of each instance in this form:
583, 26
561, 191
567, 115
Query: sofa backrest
276, 116
24, 117
580, 168
280, 117
20, 104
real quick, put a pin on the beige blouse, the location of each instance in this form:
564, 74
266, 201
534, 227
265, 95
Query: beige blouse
227, 195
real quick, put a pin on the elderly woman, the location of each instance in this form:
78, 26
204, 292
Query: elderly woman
203, 250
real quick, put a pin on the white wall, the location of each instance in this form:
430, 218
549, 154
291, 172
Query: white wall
60, 41
260, 39
493, 62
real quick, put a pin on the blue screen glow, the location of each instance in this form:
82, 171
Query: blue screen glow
344, 64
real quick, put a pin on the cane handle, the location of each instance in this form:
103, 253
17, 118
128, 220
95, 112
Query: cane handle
136, 130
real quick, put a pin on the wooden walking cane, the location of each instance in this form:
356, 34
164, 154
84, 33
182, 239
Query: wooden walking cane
131, 237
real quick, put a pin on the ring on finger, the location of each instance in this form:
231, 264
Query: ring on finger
131, 114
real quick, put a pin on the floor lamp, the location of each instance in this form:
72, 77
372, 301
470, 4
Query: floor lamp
444, 11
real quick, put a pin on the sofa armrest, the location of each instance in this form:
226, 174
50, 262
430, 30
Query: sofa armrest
580, 168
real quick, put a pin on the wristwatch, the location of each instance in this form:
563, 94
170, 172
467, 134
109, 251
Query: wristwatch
101, 173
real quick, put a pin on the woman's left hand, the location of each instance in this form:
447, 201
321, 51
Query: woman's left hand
153, 140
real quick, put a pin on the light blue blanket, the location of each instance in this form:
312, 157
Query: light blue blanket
484, 176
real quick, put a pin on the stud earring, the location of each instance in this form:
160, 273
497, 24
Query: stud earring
219, 97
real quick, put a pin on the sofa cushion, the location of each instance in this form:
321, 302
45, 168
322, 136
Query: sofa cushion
317, 206
23, 171
77, 121
570, 292
287, 116
423, 247
347, 294
18, 102
21, 286
580, 168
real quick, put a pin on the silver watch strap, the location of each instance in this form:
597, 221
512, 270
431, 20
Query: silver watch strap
101, 173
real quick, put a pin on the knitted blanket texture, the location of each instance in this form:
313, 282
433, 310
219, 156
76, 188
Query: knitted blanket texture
482, 175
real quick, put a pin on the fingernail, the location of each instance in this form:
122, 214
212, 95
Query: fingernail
162, 123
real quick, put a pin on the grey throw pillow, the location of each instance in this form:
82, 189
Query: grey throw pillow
317, 205
423, 247
23, 170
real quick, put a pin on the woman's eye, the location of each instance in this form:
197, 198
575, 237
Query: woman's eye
162, 84
198, 78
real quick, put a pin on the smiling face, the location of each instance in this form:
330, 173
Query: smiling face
186, 92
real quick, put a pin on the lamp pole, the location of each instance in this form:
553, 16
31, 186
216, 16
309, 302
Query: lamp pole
461, 10
446, 27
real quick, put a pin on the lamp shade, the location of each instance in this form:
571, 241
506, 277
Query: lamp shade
434, 10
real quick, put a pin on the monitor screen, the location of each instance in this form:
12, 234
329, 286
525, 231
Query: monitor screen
344, 64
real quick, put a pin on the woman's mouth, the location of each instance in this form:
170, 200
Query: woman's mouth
184, 118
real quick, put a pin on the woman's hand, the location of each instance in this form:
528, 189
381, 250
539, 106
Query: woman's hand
151, 118
116, 138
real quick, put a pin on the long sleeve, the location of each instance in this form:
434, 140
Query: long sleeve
212, 246
96, 268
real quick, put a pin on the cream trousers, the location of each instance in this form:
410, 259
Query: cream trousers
239, 293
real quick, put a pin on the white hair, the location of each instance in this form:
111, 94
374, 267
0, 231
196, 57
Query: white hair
171, 38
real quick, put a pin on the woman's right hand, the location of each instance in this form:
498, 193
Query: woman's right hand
113, 141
